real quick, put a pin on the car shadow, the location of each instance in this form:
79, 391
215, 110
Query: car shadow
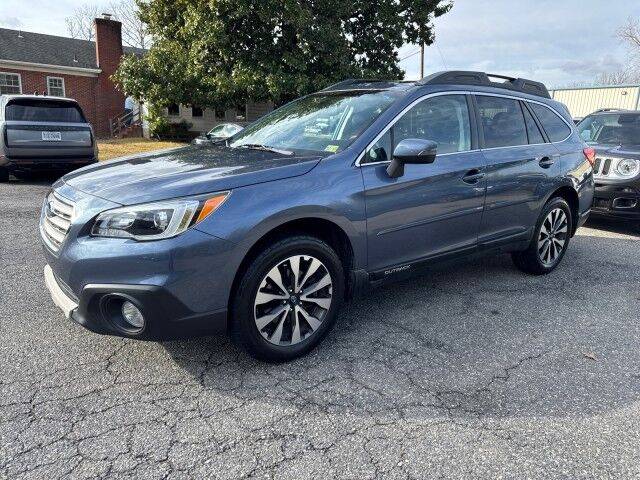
34, 179
616, 226
478, 341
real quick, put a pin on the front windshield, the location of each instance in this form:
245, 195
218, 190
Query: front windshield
216, 130
327, 122
611, 129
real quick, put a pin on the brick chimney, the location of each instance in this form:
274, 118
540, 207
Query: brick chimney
109, 101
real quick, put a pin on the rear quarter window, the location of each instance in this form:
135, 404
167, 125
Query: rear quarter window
555, 127
31, 110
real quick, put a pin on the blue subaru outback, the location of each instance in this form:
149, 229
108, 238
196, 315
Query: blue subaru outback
266, 235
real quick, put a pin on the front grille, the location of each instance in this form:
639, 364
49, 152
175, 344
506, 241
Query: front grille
597, 165
56, 220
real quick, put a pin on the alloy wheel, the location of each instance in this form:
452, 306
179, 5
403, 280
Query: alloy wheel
553, 236
293, 299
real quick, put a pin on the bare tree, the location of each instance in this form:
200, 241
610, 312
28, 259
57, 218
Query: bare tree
80, 23
619, 77
134, 30
629, 34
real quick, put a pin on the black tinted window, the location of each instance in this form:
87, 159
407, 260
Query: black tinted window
535, 136
29, 110
502, 122
443, 119
552, 123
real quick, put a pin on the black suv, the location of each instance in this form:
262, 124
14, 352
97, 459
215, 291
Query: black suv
615, 135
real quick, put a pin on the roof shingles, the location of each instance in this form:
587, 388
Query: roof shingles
32, 47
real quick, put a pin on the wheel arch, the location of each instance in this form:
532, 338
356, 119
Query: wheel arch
322, 228
570, 195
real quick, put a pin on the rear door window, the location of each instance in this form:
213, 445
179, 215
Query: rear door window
555, 127
33, 110
502, 122
535, 136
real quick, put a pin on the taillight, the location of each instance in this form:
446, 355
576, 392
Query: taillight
590, 155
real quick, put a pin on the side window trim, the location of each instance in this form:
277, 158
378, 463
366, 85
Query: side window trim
537, 121
478, 122
473, 122
524, 119
480, 145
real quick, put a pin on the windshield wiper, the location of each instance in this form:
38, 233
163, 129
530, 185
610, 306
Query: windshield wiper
265, 148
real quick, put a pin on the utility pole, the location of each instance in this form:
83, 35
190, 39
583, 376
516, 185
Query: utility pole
422, 60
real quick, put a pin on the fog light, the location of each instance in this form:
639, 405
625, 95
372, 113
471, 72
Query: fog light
132, 315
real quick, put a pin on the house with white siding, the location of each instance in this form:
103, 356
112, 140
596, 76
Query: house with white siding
204, 119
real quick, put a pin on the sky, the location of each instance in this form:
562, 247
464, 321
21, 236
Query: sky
559, 42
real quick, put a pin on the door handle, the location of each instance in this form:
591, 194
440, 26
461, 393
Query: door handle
546, 162
473, 176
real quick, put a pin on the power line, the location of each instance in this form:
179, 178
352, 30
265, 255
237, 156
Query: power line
442, 57
410, 55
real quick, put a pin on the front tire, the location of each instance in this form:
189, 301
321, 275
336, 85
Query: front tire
4, 174
550, 240
287, 299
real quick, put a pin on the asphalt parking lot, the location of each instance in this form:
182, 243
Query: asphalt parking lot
472, 371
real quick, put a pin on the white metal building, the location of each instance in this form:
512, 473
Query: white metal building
585, 100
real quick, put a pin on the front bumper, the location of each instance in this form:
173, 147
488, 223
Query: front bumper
165, 316
59, 297
617, 201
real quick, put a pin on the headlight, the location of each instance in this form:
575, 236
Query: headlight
628, 167
155, 221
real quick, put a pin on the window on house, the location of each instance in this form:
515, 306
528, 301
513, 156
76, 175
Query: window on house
196, 111
10, 83
55, 86
173, 110
502, 122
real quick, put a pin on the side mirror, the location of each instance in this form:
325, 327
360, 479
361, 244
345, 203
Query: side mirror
411, 150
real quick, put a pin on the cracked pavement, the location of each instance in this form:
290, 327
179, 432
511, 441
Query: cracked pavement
473, 370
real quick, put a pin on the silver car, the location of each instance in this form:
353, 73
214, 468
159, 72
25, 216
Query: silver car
43, 134
221, 131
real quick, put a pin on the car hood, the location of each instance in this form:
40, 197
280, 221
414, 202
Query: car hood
191, 170
619, 151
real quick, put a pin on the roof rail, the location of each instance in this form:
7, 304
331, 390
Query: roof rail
601, 110
484, 79
364, 83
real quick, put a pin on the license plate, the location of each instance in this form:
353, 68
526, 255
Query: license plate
51, 137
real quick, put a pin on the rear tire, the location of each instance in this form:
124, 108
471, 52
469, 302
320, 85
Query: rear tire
287, 299
4, 174
550, 239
